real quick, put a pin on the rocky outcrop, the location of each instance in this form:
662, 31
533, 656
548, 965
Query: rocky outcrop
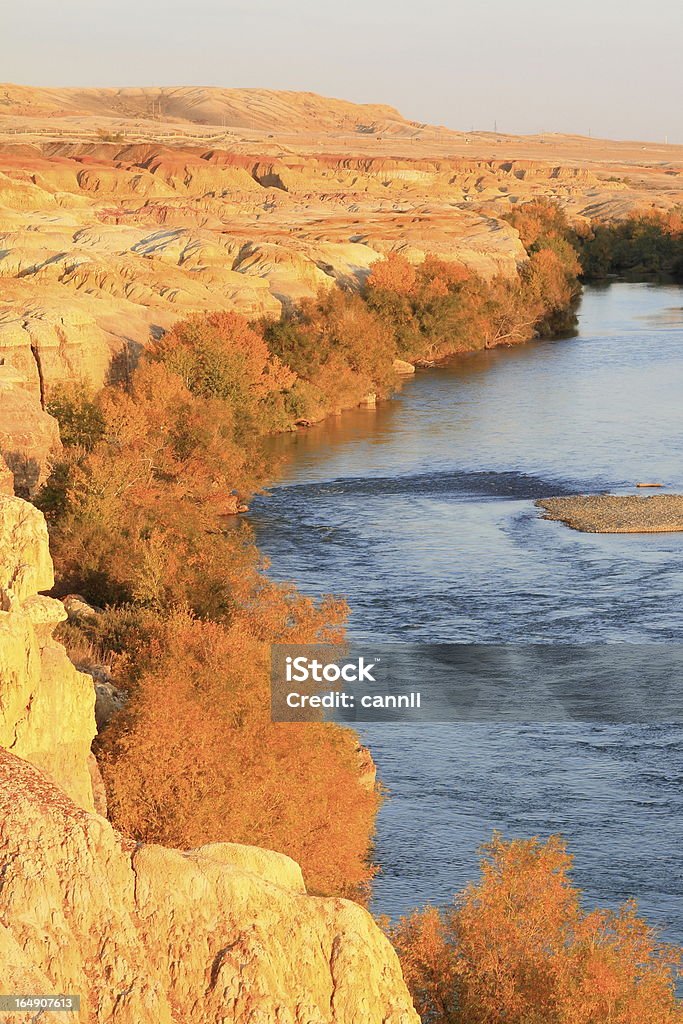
152, 936
6, 478
46, 706
28, 435
25, 563
225, 934
46, 341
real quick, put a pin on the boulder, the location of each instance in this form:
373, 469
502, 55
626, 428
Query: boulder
224, 934
79, 611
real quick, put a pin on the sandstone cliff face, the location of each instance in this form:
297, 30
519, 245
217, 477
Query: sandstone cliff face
28, 435
225, 934
153, 936
6, 478
46, 707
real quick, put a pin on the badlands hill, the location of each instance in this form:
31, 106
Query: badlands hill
264, 109
123, 210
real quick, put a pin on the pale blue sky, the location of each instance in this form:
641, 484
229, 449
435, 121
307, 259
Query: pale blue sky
613, 67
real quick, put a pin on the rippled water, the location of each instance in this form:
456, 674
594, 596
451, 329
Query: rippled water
422, 515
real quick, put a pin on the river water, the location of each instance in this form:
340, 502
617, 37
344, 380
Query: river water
421, 513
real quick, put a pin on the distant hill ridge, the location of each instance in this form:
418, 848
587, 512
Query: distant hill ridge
262, 109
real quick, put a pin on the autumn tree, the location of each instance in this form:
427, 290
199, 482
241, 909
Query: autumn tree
422, 304
538, 222
220, 356
438, 307
135, 515
194, 757
518, 948
137, 508
338, 347
549, 282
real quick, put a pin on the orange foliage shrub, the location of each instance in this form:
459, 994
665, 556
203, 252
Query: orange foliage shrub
438, 273
538, 221
438, 307
357, 350
423, 305
194, 757
394, 274
220, 356
340, 350
550, 286
517, 948
135, 515
135, 507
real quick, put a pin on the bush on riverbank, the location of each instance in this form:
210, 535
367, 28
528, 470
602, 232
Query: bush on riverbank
220, 357
194, 758
439, 308
517, 948
337, 348
648, 244
135, 510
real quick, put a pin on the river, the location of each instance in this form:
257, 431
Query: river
421, 513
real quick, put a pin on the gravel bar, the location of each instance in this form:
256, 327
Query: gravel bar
617, 513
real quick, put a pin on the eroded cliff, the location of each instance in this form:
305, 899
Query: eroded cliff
28, 435
153, 936
47, 708
104, 246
